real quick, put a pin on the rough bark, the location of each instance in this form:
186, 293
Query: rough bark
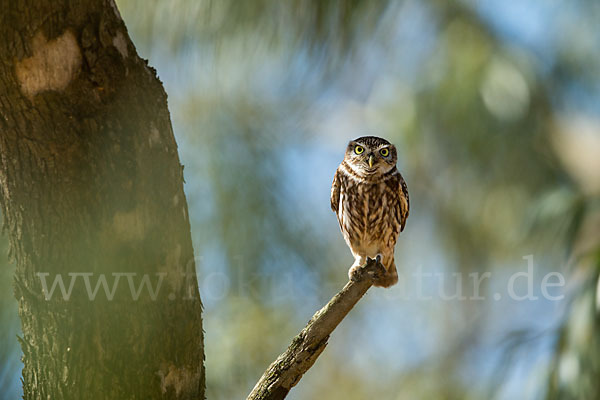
91, 183
287, 370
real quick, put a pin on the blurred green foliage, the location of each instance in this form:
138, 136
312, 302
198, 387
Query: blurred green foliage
494, 108
10, 365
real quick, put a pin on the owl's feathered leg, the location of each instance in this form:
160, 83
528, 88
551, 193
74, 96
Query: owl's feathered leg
358, 261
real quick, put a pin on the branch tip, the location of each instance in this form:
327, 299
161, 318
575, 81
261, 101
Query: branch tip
287, 370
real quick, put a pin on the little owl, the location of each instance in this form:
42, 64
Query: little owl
370, 199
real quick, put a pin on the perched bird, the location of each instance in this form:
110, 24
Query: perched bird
370, 199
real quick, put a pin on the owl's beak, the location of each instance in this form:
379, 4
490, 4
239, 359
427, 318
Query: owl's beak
371, 161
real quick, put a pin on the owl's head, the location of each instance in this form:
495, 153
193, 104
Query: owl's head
371, 156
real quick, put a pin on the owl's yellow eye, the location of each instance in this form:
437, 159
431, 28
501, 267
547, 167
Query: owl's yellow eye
359, 149
384, 152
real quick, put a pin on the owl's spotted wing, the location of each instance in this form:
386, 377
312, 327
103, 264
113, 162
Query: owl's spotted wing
335, 192
404, 201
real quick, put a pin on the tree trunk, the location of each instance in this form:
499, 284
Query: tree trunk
92, 189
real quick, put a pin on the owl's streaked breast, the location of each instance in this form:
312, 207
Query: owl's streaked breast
368, 213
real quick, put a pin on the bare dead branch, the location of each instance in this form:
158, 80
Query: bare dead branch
287, 370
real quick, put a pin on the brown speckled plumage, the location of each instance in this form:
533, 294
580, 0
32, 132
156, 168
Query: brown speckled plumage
370, 199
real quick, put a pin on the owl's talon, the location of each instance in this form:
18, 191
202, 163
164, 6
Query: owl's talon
376, 275
354, 272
